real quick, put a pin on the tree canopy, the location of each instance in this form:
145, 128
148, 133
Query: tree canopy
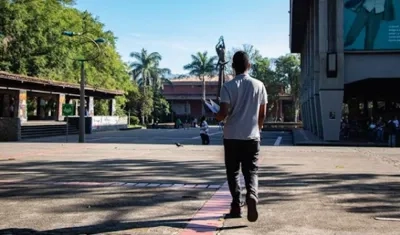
148, 102
202, 66
32, 43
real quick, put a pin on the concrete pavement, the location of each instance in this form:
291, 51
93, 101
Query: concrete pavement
106, 187
189, 136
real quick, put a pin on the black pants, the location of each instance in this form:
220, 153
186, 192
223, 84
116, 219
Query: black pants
242, 153
205, 139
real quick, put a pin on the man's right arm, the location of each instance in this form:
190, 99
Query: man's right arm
262, 112
224, 104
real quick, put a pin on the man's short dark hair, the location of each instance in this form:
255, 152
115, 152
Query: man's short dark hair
240, 62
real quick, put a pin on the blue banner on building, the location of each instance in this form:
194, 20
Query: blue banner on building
371, 25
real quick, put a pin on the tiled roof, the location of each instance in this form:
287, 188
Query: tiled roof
36, 80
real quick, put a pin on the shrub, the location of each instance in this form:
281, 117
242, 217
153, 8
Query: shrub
134, 120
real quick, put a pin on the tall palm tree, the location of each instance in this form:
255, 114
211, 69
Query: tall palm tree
146, 71
160, 78
202, 66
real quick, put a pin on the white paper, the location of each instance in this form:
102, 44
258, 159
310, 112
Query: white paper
215, 105
212, 106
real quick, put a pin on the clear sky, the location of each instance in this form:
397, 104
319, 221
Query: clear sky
178, 28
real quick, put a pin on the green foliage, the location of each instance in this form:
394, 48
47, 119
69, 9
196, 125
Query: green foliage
254, 56
134, 120
285, 77
161, 106
149, 77
202, 66
288, 68
32, 44
262, 71
146, 71
147, 102
133, 104
101, 107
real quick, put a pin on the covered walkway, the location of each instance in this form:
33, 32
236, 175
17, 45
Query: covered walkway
24, 99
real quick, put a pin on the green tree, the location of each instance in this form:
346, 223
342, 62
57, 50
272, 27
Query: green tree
133, 104
147, 74
253, 53
161, 107
288, 68
202, 66
146, 71
273, 83
32, 44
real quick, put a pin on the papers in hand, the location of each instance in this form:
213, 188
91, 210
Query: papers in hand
214, 107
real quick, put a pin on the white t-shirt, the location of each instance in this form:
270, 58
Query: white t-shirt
245, 95
204, 128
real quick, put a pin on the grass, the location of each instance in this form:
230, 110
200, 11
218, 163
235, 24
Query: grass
135, 126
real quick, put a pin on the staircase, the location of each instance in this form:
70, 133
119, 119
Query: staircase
38, 131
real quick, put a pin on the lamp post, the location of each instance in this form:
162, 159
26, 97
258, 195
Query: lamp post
82, 59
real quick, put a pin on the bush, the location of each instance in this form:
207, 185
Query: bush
134, 120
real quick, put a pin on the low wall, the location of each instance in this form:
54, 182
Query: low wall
109, 123
10, 129
74, 121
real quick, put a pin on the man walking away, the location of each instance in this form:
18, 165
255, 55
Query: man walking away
243, 104
205, 139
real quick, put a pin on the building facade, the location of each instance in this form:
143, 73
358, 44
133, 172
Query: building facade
185, 98
339, 52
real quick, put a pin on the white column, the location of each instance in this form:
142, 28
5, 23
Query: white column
330, 89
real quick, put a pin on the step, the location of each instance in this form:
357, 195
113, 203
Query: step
49, 133
48, 129
33, 136
45, 127
41, 126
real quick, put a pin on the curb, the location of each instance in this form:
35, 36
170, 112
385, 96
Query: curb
333, 144
131, 128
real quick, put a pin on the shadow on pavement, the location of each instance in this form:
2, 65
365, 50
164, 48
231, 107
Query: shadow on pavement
110, 226
142, 136
120, 201
116, 170
372, 194
161, 136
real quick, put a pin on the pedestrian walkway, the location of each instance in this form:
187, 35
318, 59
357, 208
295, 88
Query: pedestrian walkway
99, 188
189, 136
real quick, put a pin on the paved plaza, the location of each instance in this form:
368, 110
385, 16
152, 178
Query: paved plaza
189, 136
139, 182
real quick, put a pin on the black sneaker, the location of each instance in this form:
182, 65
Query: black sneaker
235, 212
252, 213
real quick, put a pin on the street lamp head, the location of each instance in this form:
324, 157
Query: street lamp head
100, 40
69, 33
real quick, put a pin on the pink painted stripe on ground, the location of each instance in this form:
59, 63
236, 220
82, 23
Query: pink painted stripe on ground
209, 218
9, 181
